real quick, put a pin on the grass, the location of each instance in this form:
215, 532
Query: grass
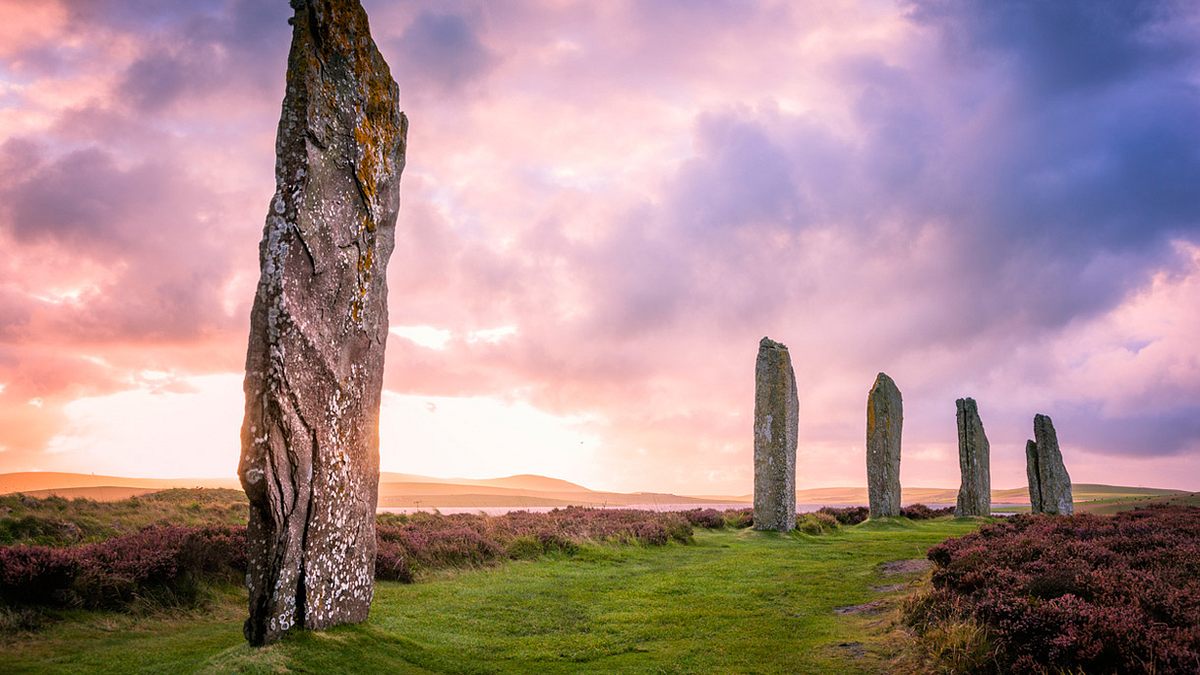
1106, 506
1113, 505
56, 521
734, 601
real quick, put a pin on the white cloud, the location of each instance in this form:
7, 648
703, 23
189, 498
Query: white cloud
491, 335
149, 431
429, 337
482, 437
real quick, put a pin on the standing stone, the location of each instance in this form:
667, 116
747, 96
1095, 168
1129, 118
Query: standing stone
314, 367
974, 461
1031, 472
776, 426
1054, 484
885, 420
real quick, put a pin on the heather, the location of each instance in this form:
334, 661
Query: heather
1082, 593
163, 565
170, 565
427, 541
846, 515
922, 512
853, 515
717, 519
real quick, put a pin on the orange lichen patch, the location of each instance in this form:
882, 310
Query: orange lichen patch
365, 269
355, 98
377, 135
377, 127
364, 261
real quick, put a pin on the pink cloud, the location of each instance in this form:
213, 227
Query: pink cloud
641, 190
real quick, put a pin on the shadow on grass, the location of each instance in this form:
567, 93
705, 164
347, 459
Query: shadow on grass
363, 648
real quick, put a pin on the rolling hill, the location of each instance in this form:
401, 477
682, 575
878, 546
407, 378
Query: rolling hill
402, 490
395, 490
51, 481
105, 493
1083, 492
518, 482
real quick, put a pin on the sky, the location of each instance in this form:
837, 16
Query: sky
606, 205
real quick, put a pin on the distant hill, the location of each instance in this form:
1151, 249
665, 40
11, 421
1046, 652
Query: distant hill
518, 482
106, 493
488, 493
395, 490
472, 500
1082, 492
33, 481
411, 490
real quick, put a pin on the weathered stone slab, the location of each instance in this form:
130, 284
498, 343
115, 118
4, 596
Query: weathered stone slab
1054, 483
974, 462
1031, 473
885, 422
314, 366
776, 425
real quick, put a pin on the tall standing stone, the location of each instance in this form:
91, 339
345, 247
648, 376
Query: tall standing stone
314, 367
1054, 483
1031, 473
776, 426
974, 462
885, 421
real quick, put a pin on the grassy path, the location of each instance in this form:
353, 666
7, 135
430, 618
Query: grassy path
735, 601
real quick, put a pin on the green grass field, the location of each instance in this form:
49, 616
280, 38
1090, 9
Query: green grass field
1111, 505
1119, 500
734, 601
56, 521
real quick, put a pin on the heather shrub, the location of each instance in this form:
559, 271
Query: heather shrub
922, 512
710, 518
433, 540
553, 542
391, 562
677, 529
163, 564
651, 533
35, 574
848, 515
716, 519
1082, 593
452, 546
170, 565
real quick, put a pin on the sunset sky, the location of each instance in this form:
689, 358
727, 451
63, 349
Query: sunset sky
606, 205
